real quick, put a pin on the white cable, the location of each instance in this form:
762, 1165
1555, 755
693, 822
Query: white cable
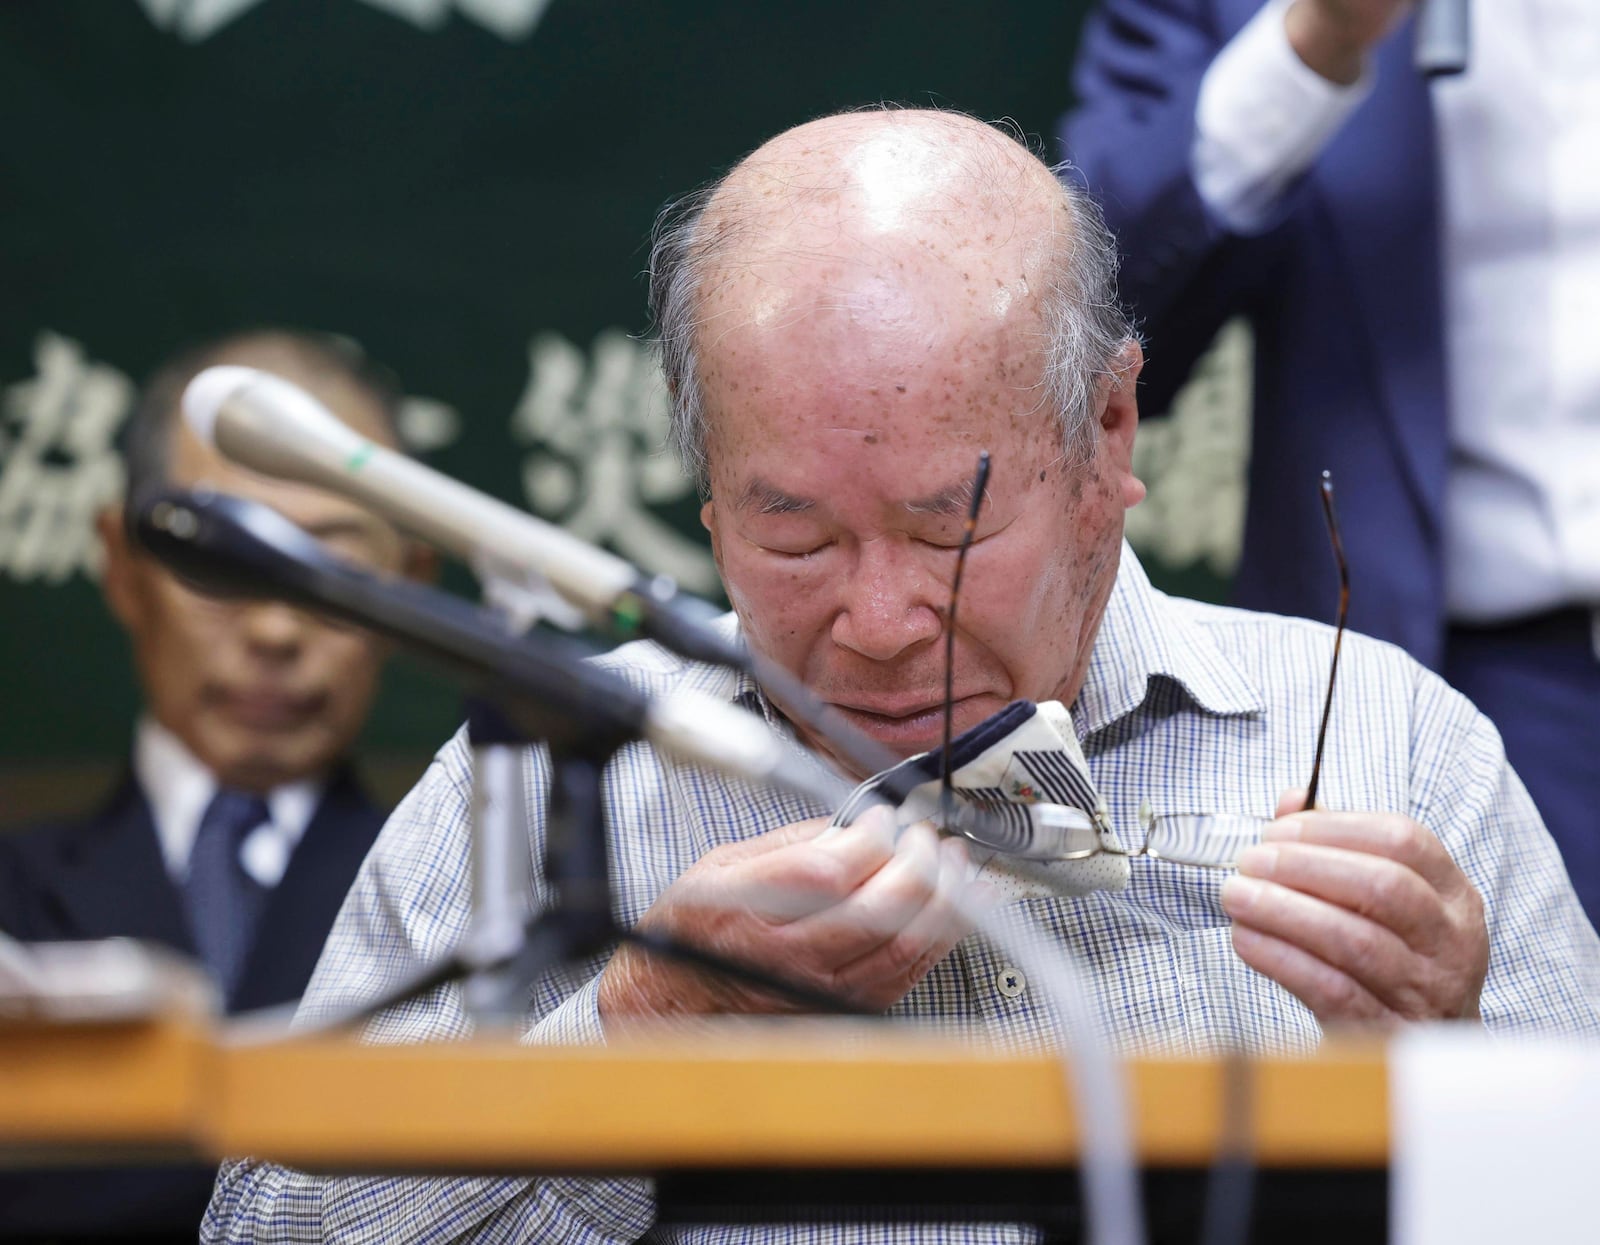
1096, 1080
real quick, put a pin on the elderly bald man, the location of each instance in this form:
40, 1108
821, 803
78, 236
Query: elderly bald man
846, 320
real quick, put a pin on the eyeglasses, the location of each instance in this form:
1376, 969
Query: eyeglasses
1064, 832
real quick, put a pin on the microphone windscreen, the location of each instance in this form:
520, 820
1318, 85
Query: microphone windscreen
204, 395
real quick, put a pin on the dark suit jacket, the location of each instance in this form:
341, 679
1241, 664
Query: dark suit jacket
103, 877
1343, 293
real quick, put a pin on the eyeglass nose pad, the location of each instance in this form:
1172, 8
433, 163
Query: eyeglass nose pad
1147, 816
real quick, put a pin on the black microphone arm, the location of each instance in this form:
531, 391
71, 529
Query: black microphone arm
228, 546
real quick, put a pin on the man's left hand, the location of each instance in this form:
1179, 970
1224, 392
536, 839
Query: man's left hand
1364, 917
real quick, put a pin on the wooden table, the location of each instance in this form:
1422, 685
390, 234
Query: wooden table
725, 1096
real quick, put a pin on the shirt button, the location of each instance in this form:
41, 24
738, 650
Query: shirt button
1010, 981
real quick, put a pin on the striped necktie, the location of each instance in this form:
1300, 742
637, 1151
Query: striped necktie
224, 901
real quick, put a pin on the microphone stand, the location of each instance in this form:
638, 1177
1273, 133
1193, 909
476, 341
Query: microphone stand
501, 877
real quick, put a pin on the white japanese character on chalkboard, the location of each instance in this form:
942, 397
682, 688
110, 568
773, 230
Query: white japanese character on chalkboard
597, 424
59, 464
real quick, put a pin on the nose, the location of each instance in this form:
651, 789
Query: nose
891, 603
274, 629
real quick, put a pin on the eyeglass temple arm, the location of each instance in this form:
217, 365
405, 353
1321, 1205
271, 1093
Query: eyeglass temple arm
1338, 634
979, 483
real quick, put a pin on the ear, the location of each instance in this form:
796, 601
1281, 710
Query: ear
120, 574
1119, 420
708, 520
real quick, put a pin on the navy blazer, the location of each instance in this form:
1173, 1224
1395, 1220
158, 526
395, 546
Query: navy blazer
1343, 292
102, 877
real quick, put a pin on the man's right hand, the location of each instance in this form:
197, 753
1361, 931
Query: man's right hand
1333, 37
859, 914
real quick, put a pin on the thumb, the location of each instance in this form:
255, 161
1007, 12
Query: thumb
1292, 800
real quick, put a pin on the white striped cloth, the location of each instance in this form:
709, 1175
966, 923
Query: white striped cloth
1024, 755
1194, 708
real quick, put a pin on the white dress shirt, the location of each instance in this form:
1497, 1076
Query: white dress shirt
179, 788
1519, 176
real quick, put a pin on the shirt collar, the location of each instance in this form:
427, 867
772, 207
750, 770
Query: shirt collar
1146, 638
179, 787
735, 685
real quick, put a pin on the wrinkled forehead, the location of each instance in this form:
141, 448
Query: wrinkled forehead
807, 360
835, 305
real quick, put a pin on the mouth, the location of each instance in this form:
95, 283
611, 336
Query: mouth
267, 709
906, 727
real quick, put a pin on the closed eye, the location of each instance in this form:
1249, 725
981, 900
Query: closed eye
952, 540
802, 553
785, 537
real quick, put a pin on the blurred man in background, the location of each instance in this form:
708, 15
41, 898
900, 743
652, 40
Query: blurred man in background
240, 825
1420, 263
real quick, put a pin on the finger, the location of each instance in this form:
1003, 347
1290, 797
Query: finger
892, 968
877, 803
808, 876
942, 917
957, 903
1376, 887
1381, 834
1333, 996
1292, 800
881, 907
864, 846
1363, 950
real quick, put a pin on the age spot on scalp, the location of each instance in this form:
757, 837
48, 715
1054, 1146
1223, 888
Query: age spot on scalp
871, 438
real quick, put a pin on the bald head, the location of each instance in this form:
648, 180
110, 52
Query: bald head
899, 221
894, 180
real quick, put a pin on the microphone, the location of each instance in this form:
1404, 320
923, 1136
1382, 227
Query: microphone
270, 425
1443, 37
263, 422
228, 546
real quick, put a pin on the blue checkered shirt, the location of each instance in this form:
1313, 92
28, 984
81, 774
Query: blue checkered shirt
1196, 708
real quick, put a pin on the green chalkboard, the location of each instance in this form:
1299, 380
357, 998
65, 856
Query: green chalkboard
465, 188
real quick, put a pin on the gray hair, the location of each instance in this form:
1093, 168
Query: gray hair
1085, 324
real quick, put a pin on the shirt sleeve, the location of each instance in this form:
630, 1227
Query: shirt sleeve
1263, 116
409, 905
1544, 956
